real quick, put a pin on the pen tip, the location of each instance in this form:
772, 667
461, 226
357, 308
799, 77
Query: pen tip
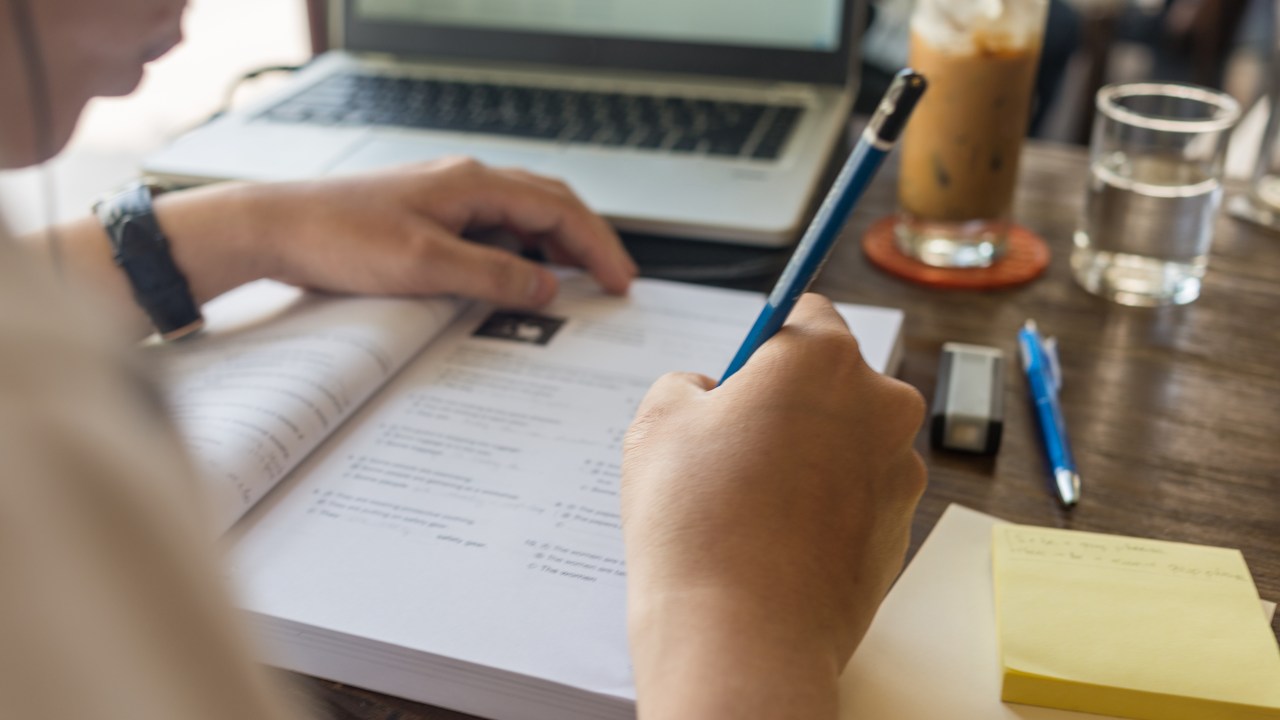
1068, 486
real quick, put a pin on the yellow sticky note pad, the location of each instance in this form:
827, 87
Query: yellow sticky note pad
1129, 627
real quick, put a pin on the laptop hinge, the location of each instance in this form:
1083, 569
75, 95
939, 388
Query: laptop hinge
393, 60
858, 9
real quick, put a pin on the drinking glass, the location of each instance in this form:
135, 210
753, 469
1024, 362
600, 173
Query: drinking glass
1262, 203
1155, 183
960, 151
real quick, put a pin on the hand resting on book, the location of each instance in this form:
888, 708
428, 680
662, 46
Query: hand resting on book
397, 232
764, 521
406, 228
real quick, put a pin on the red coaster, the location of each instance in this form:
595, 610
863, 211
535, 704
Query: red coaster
1026, 257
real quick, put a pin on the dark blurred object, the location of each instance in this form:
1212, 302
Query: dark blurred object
1099, 32
318, 24
1061, 40
1191, 39
734, 266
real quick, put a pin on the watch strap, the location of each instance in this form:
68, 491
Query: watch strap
140, 249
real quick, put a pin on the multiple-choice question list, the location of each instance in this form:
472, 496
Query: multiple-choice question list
484, 482
448, 524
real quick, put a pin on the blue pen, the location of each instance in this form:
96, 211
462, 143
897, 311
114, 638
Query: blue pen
876, 141
1044, 378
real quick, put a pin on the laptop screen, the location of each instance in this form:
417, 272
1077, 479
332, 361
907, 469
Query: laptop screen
789, 24
812, 41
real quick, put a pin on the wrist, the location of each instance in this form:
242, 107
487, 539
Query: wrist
217, 235
719, 653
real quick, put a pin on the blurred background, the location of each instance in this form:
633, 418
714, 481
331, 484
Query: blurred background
1225, 44
224, 39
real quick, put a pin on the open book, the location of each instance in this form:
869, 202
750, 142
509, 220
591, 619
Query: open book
422, 495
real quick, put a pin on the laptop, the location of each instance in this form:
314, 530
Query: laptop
707, 119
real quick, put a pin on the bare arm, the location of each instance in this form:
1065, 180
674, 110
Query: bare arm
397, 232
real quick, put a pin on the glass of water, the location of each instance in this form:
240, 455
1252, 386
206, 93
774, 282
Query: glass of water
1155, 184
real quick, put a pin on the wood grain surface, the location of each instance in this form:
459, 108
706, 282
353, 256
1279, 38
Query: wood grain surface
1174, 413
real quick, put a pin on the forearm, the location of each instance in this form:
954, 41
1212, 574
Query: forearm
704, 658
211, 236
399, 232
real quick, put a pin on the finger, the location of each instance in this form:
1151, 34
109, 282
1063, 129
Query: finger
551, 184
566, 250
528, 207
555, 254
668, 393
817, 313
674, 388
914, 479
815, 338
486, 273
902, 406
558, 186
551, 252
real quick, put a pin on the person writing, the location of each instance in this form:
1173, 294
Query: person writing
764, 520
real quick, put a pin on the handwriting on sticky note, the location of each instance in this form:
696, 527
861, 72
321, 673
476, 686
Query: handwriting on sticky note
1128, 627
1116, 553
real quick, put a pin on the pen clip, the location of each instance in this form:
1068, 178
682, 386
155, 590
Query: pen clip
1049, 348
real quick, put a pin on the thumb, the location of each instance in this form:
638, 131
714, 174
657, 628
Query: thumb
673, 389
670, 391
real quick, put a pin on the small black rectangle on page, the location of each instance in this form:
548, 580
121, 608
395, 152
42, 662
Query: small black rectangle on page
520, 326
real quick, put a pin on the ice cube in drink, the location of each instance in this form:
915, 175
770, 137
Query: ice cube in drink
961, 149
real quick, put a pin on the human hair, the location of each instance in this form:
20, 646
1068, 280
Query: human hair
40, 103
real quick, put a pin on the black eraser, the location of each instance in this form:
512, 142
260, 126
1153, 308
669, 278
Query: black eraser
968, 402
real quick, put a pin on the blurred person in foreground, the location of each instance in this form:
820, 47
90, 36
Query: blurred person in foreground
764, 520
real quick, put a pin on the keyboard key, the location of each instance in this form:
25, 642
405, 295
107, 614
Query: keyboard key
775, 138
583, 132
725, 146
686, 144
289, 112
612, 137
647, 138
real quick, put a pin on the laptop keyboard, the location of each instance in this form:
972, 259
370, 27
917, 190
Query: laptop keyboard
643, 122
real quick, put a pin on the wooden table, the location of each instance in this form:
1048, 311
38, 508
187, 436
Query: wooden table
1174, 413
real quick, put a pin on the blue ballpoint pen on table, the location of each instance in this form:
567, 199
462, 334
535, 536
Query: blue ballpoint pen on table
876, 141
1044, 379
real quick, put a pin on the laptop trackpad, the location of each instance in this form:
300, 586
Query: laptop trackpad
381, 151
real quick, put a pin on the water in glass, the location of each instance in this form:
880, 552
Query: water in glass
1146, 229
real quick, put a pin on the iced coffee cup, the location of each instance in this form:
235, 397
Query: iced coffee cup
960, 151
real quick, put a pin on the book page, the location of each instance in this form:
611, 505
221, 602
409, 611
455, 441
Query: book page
471, 509
277, 370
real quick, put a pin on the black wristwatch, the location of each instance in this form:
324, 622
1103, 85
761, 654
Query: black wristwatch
139, 247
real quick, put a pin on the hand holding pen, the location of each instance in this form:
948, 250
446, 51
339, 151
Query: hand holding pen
876, 141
